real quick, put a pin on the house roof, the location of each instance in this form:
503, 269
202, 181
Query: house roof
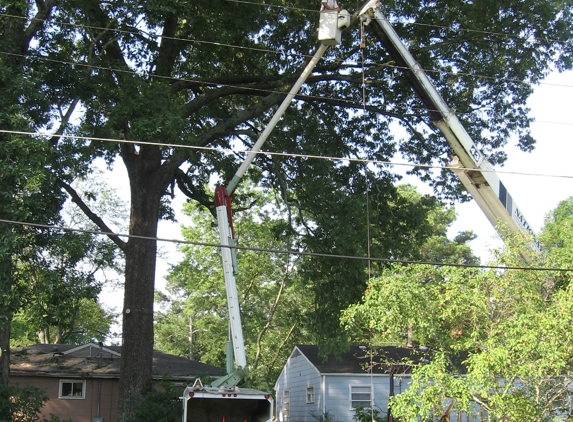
95, 361
356, 360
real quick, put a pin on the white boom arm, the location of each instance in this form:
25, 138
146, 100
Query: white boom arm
224, 220
482, 183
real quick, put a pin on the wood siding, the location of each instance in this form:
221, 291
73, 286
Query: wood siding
78, 410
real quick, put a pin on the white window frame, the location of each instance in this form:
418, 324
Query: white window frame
355, 400
310, 394
72, 397
286, 404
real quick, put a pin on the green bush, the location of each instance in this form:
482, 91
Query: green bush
323, 417
160, 404
23, 404
366, 414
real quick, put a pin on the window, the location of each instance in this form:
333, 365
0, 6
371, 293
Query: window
286, 404
72, 389
359, 396
310, 394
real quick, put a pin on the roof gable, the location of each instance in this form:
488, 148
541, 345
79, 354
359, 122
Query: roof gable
92, 350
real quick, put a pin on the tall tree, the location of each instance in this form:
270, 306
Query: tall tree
208, 74
23, 175
557, 239
279, 301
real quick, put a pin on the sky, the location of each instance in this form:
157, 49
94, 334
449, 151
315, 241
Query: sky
536, 193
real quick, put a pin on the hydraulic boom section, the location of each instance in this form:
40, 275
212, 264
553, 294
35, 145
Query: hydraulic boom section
223, 399
474, 171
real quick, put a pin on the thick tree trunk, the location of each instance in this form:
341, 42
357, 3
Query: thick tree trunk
140, 258
6, 316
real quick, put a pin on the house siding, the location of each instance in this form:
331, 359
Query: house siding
78, 410
336, 375
297, 375
337, 388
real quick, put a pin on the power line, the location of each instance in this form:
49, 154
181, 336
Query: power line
252, 88
478, 31
286, 154
283, 251
315, 11
436, 71
157, 36
278, 6
172, 78
552, 123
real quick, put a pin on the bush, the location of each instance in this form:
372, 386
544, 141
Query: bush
323, 417
366, 414
160, 404
23, 404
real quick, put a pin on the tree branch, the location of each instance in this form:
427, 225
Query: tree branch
93, 216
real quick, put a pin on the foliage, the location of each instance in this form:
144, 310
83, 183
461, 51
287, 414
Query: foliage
64, 278
366, 414
158, 71
90, 322
273, 303
160, 404
23, 404
501, 340
557, 239
323, 417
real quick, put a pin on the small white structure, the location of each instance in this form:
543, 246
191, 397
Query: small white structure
331, 24
309, 386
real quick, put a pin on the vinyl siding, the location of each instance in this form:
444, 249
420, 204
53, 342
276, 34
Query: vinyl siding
297, 375
338, 392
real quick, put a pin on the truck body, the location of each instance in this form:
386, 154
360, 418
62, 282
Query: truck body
217, 404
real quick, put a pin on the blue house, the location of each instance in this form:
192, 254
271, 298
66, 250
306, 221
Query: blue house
310, 386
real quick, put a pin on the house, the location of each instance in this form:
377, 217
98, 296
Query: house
310, 387
82, 382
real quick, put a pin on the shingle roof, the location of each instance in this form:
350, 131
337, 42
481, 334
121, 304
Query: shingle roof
84, 361
357, 359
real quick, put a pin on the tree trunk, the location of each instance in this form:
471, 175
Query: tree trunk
140, 257
6, 316
44, 336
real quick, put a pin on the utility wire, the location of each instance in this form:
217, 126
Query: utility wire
478, 31
315, 11
284, 251
437, 71
342, 101
198, 81
165, 37
286, 154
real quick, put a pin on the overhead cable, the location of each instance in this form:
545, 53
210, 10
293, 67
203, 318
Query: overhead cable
284, 154
391, 113
285, 252
264, 50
